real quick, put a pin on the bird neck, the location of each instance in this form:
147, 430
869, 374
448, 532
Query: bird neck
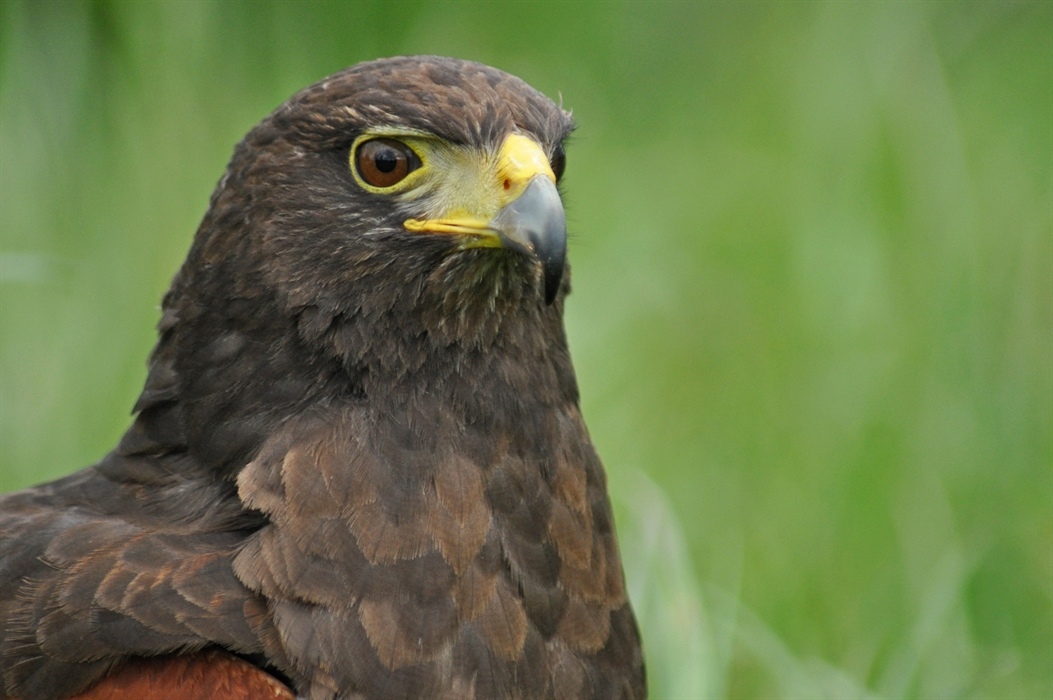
224, 378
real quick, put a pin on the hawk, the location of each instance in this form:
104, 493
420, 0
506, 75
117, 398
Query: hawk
358, 467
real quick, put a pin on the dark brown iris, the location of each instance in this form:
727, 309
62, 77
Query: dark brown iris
559, 162
385, 162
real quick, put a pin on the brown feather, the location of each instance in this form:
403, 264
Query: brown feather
358, 461
208, 676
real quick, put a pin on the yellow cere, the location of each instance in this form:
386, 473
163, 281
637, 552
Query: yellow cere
520, 161
465, 189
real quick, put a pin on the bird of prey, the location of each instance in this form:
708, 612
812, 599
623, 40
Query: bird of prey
358, 468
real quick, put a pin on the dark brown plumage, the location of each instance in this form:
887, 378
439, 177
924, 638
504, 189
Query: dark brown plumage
358, 461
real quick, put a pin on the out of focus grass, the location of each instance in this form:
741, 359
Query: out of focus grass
812, 248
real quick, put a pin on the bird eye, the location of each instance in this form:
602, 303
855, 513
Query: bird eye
385, 162
559, 162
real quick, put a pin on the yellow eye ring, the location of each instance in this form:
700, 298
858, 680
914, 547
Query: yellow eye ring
384, 162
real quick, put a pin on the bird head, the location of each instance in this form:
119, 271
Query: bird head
390, 231
405, 182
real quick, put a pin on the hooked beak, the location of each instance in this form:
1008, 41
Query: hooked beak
524, 212
535, 224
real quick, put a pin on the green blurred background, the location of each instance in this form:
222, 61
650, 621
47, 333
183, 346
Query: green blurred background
812, 318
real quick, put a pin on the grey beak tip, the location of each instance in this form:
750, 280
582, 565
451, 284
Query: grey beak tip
535, 224
553, 270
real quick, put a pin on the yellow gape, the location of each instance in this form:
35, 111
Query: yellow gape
519, 161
